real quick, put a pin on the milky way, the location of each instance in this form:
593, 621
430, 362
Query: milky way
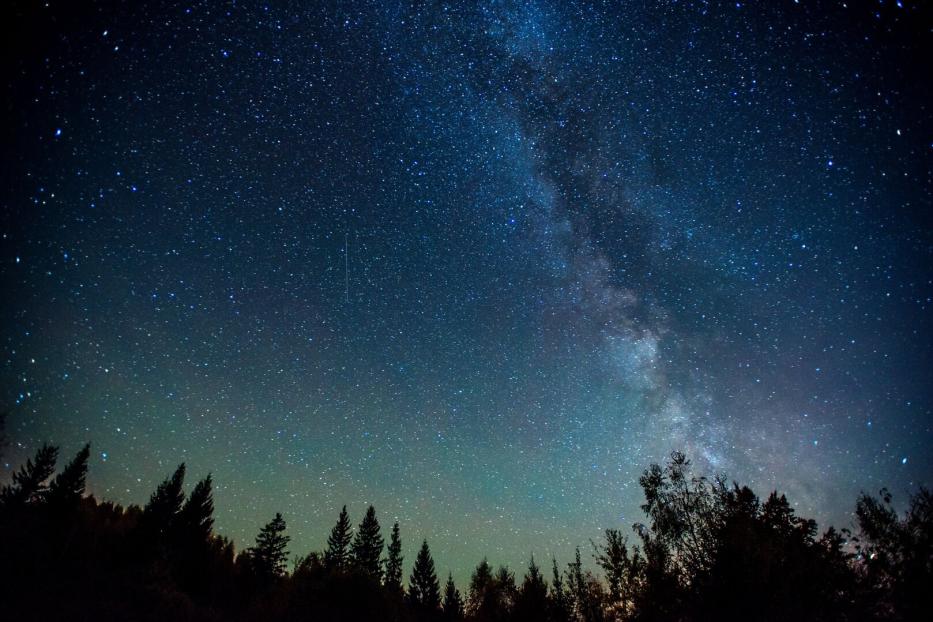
476, 264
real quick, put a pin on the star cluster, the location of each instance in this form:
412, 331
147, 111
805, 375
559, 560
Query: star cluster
478, 264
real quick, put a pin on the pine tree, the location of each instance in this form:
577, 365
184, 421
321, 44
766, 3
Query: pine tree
196, 519
423, 589
480, 585
453, 603
28, 483
337, 555
491, 595
560, 607
531, 603
393, 576
67, 487
777, 513
534, 580
366, 551
269, 555
160, 514
504, 593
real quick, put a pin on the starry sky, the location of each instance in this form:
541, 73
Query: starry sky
475, 263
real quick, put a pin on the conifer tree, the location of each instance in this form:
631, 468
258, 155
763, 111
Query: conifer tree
505, 592
560, 607
366, 551
337, 555
196, 519
160, 514
269, 555
393, 576
480, 584
453, 603
531, 603
29, 482
777, 513
67, 487
423, 589
491, 595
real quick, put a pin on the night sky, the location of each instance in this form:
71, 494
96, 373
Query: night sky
477, 264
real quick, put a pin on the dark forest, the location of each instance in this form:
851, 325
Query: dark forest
707, 549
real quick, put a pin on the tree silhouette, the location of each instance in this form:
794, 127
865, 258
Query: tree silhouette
480, 585
269, 555
28, 483
67, 487
708, 552
366, 551
423, 589
531, 603
196, 518
393, 576
682, 511
505, 592
714, 552
453, 603
191, 547
576, 586
897, 554
585, 596
164, 506
492, 595
337, 555
622, 572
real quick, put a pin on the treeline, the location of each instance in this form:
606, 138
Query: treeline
707, 550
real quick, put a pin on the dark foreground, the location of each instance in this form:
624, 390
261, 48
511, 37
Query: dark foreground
707, 550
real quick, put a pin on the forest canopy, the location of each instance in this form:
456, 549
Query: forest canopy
707, 549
